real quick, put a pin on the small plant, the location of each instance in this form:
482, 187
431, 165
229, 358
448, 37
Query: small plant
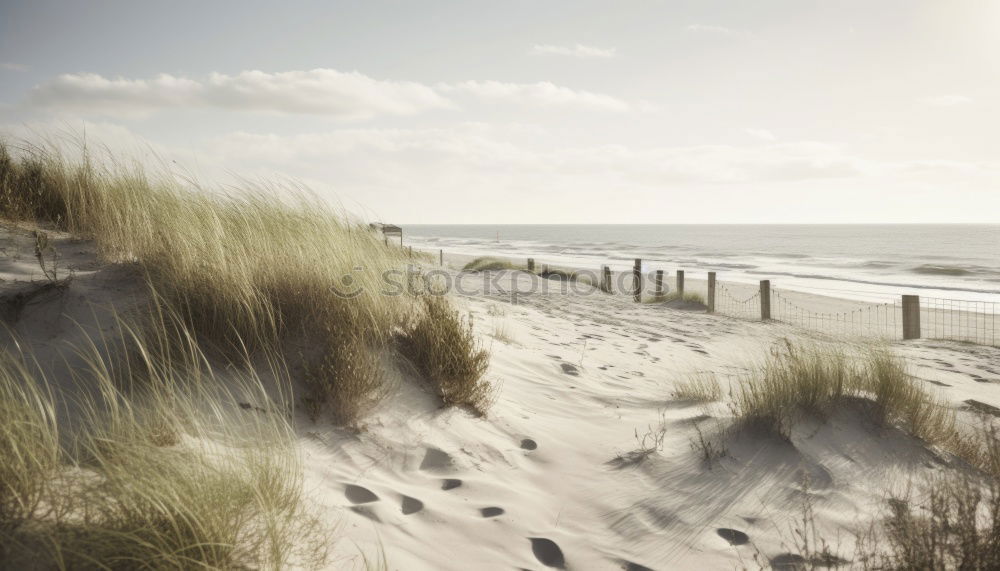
444, 348
647, 444
42, 248
502, 333
347, 379
702, 387
709, 449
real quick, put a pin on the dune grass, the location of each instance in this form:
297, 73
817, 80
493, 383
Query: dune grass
490, 264
273, 267
702, 387
446, 351
688, 296
812, 379
160, 469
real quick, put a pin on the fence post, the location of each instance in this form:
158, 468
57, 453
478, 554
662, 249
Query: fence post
711, 292
531, 264
680, 284
637, 280
659, 283
765, 299
386, 240
911, 317
409, 251
440, 257
606, 280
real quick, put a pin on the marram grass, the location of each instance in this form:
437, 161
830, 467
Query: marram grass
166, 473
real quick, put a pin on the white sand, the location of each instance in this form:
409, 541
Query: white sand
582, 375
553, 464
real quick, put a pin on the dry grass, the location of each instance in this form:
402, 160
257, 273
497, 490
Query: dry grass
702, 387
163, 470
444, 348
502, 333
490, 264
272, 267
954, 525
814, 379
688, 296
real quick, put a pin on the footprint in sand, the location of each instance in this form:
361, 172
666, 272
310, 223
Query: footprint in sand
491, 511
411, 505
547, 552
788, 562
359, 494
435, 459
569, 369
529, 444
733, 536
450, 483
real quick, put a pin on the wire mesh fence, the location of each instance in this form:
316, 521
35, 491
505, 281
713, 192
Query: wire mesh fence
959, 320
890, 319
880, 320
727, 302
948, 319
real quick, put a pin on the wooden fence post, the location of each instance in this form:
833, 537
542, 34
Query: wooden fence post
659, 283
680, 284
531, 264
765, 299
606, 280
440, 257
711, 292
911, 317
637, 280
409, 251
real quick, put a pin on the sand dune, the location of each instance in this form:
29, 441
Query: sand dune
585, 461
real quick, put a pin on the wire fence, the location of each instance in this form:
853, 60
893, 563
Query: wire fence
959, 320
736, 305
948, 319
881, 320
891, 319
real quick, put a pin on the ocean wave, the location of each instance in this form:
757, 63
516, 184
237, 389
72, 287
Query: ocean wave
877, 283
943, 270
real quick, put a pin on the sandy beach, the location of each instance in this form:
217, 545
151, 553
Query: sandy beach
587, 459
554, 463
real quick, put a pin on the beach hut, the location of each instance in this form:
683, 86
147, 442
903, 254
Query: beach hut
388, 230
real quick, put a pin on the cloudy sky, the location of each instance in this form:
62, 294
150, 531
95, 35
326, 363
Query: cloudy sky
538, 111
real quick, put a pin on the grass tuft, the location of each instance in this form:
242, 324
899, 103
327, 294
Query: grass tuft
490, 264
444, 348
813, 380
702, 387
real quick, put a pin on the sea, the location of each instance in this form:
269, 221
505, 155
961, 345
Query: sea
871, 262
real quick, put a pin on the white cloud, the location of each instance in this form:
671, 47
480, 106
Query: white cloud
541, 93
577, 50
319, 92
762, 134
950, 100
13, 66
421, 156
329, 92
702, 28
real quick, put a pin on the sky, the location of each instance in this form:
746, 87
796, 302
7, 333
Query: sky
790, 111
